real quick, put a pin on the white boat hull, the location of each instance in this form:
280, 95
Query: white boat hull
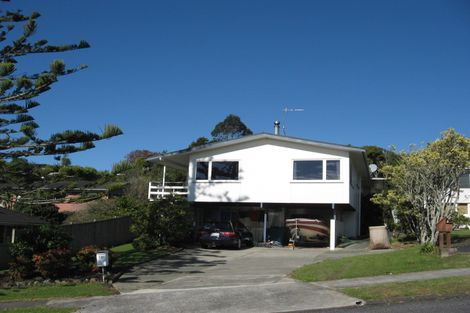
308, 230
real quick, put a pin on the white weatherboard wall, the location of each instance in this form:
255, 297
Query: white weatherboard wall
266, 175
464, 198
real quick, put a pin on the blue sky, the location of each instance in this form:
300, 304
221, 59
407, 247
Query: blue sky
365, 72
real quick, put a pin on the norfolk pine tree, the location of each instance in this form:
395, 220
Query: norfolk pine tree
18, 92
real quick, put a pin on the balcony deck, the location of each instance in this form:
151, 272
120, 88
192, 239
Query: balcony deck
157, 190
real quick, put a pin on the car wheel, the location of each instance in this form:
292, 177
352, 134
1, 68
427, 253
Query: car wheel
203, 245
239, 244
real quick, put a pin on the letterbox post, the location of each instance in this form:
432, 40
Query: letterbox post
102, 260
444, 228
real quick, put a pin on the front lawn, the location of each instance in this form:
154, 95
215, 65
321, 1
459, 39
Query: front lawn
56, 291
461, 234
395, 262
442, 287
128, 256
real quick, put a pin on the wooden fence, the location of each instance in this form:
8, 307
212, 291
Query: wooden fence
100, 233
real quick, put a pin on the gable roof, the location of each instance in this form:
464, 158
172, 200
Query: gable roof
180, 158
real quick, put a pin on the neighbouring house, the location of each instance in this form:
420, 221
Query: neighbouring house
264, 179
71, 207
10, 222
463, 202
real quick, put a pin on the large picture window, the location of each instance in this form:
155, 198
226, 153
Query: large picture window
226, 170
308, 170
202, 171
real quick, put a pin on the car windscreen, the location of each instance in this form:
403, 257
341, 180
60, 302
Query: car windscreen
223, 227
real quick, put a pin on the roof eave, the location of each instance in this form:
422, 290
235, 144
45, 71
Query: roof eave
216, 145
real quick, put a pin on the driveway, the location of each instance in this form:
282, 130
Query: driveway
195, 268
200, 280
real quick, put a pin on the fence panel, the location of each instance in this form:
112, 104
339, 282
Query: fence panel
100, 233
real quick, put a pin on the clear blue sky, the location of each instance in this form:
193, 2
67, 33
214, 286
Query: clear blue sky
366, 72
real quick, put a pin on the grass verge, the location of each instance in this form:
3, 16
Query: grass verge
55, 291
442, 287
128, 256
40, 309
396, 262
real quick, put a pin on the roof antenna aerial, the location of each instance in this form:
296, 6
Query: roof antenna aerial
285, 110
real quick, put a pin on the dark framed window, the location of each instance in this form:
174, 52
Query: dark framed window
202, 170
308, 170
332, 170
464, 180
226, 170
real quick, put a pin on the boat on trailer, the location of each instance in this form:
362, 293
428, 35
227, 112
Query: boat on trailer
308, 230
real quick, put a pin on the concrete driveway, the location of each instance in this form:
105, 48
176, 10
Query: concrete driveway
200, 280
194, 268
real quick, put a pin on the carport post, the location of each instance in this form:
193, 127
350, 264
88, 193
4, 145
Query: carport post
333, 229
13, 233
265, 220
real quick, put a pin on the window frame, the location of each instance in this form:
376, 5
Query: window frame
324, 171
312, 160
226, 179
209, 172
197, 171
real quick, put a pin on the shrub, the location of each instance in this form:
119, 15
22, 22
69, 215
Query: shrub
38, 248
428, 248
52, 263
458, 219
84, 262
144, 242
21, 268
165, 221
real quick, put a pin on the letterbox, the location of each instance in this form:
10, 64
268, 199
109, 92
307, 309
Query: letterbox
102, 259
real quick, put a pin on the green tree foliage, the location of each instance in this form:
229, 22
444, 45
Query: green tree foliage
138, 173
424, 184
230, 128
199, 142
18, 91
65, 160
134, 156
162, 222
380, 156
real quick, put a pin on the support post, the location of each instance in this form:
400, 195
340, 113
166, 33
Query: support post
13, 233
332, 234
265, 220
333, 229
164, 176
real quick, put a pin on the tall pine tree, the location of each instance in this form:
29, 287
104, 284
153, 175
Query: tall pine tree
18, 91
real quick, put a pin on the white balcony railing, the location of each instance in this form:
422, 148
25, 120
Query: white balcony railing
158, 190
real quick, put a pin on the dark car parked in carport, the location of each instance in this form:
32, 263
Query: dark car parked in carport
225, 234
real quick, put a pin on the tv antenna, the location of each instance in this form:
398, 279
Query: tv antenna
286, 110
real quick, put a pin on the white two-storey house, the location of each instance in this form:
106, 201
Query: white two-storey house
264, 179
463, 201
